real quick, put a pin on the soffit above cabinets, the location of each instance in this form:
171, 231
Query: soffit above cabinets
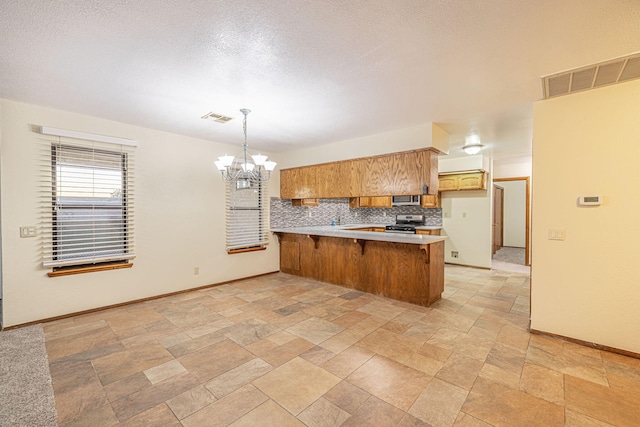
593, 76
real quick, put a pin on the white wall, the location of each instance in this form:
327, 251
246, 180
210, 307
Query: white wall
511, 170
413, 138
467, 215
515, 202
179, 220
587, 287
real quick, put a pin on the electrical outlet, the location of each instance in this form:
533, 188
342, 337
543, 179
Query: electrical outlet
355, 214
454, 254
196, 271
309, 213
384, 213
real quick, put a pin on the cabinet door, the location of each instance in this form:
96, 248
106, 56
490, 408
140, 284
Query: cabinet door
305, 202
448, 183
395, 174
430, 201
333, 179
472, 181
429, 232
375, 202
298, 183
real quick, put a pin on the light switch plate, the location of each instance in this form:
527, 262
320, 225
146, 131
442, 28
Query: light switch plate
557, 234
29, 231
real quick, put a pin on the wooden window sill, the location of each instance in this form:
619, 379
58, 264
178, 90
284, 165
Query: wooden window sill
243, 250
88, 269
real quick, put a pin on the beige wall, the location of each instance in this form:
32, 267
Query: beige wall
467, 215
511, 170
587, 286
413, 138
179, 220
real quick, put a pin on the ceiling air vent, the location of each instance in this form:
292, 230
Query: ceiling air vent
592, 76
218, 118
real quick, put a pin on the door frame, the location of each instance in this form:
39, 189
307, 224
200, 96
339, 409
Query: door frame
501, 222
527, 237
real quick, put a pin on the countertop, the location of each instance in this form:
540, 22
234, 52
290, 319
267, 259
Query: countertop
346, 232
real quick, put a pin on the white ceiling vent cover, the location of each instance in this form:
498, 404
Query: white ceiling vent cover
592, 76
218, 118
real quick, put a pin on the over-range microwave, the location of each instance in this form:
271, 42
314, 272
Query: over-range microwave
405, 201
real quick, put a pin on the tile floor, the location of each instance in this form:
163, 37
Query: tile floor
280, 350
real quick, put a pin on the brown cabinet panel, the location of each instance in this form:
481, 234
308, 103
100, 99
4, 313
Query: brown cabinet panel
333, 179
375, 202
473, 180
305, 202
430, 201
299, 183
395, 174
387, 175
448, 183
289, 255
410, 273
429, 232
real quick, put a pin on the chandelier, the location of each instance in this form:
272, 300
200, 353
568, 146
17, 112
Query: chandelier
241, 170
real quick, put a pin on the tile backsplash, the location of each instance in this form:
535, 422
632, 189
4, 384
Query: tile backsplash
283, 215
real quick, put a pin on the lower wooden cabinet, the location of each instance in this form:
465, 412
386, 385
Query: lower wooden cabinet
370, 202
471, 180
428, 232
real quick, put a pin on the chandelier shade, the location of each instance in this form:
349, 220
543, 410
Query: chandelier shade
245, 169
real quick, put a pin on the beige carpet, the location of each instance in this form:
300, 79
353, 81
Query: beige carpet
26, 393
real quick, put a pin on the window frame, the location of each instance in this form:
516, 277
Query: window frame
95, 258
261, 240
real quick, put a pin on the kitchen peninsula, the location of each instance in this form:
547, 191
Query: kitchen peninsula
405, 267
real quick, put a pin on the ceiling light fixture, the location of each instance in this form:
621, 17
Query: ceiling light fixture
472, 144
239, 169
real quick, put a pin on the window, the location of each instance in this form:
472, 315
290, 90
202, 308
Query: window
246, 218
89, 210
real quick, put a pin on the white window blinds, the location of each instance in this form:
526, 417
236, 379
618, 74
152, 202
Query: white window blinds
87, 203
246, 216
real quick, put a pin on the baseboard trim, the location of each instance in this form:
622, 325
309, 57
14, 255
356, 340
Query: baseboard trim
587, 343
466, 265
121, 304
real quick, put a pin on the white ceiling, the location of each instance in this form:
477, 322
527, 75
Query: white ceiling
313, 72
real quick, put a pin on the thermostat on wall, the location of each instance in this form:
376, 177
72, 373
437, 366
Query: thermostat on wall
590, 200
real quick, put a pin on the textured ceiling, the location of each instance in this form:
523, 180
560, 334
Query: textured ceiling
313, 72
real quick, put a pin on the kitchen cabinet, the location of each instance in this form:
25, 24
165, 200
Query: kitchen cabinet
412, 273
304, 202
458, 181
299, 183
395, 174
428, 232
430, 201
370, 202
405, 173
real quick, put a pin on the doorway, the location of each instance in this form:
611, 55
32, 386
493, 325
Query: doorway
511, 222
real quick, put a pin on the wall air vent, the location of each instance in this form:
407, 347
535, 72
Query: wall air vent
218, 118
592, 76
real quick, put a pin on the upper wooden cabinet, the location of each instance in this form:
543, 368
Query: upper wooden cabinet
468, 180
397, 174
430, 201
370, 202
299, 183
